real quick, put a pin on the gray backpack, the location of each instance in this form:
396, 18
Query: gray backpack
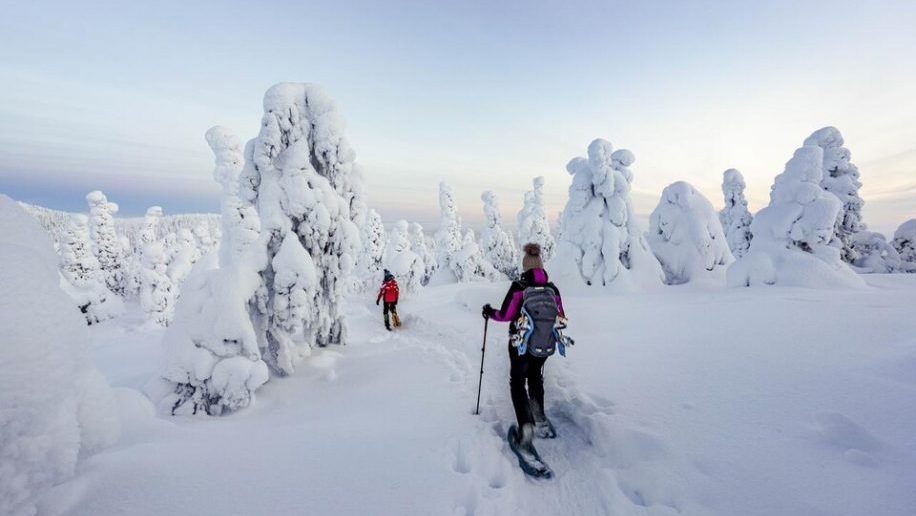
539, 306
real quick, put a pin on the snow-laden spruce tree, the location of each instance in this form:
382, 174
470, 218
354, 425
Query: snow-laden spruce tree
56, 409
105, 242
874, 254
735, 217
81, 277
183, 256
792, 236
497, 246
374, 240
448, 237
149, 233
400, 259
469, 263
602, 243
420, 244
203, 238
157, 290
211, 360
533, 225
297, 175
687, 238
905, 244
841, 178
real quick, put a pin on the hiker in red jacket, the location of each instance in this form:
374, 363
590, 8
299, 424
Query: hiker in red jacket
389, 293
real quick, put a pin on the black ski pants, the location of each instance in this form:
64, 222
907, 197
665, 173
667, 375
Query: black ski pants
523, 370
393, 309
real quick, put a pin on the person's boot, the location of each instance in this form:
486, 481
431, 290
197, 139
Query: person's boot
525, 438
397, 320
543, 428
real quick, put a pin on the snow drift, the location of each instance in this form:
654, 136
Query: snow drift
55, 407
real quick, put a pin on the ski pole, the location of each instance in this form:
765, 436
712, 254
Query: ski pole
483, 350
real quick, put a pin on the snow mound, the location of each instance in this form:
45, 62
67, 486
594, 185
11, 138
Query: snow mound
55, 407
792, 236
687, 238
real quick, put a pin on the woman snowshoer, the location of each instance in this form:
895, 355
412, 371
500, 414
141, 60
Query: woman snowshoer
526, 367
389, 294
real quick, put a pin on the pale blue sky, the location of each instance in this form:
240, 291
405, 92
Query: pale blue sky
117, 95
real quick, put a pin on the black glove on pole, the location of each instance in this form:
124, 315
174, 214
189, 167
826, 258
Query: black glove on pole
483, 350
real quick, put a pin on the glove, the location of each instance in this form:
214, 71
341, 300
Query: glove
487, 311
376, 302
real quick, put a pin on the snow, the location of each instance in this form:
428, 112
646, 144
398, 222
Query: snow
841, 178
498, 247
687, 238
533, 226
735, 217
105, 242
297, 175
873, 253
798, 412
601, 242
401, 260
55, 407
793, 234
905, 244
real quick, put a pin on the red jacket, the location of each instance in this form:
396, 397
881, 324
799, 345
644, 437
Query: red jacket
389, 291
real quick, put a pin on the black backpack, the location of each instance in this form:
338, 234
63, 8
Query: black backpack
538, 336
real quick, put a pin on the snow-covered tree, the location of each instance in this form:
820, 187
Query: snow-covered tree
420, 244
533, 226
105, 242
183, 256
792, 235
841, 178
374, 241
735, 217
602, 243
297, 174
448, 237
203, 238
149, 233
56, 409
82, 279
469, 263
874, 254
157, 290
211, 360
686, 236
498, 247
400, 259
905, 244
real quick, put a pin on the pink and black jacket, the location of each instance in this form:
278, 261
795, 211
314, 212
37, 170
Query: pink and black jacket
512, 304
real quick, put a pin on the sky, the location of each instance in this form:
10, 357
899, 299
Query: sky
483, 95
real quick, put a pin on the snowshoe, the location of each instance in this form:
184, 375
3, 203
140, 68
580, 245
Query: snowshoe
528, 458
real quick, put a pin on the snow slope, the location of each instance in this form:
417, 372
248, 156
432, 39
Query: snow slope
752, 401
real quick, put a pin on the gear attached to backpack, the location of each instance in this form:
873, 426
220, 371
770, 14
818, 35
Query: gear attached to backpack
538, 329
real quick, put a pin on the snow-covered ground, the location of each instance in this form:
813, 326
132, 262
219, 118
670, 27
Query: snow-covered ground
757, 401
